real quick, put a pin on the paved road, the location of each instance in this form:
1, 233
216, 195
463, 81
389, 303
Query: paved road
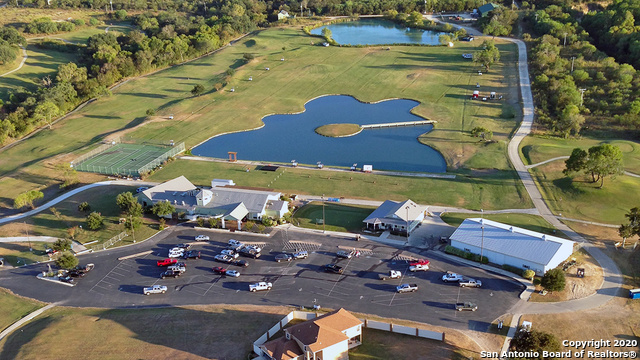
118, 284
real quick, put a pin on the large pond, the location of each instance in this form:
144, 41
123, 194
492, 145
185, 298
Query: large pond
378, 32
292, 137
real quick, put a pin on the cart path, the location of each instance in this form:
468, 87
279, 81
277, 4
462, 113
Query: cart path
24, 59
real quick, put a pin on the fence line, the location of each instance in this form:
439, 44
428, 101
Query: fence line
110, 242
371, 324
95, 151
160, 159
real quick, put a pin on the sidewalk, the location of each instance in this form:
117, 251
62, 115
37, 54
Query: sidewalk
29, 317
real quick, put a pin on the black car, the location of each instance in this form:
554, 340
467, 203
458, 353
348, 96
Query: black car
84, 268
333, 268
192, 254
170, 273
250, 253
243, 263
67, 279
76, 273
183, 246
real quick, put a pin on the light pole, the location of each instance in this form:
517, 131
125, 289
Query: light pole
482, 242
323, 219
565, 40
407, 207
28, 238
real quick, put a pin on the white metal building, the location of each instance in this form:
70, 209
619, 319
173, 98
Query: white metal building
505, 244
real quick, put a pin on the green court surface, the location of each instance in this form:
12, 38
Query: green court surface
127, 159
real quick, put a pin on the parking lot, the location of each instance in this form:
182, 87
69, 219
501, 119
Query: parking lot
115, 283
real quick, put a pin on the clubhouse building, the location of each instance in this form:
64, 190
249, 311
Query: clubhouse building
225, 203
396, 217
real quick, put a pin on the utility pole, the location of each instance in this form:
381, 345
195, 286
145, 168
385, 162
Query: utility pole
482, 243
323, 219
565, 40
28, 238
133, 231
582, 95
573, 58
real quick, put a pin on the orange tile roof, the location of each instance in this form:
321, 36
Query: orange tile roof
325, 330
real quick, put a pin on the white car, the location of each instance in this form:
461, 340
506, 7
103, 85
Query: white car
176, 252
202, 238
231, 253
233, 242
232, 273
177, 267
255, 248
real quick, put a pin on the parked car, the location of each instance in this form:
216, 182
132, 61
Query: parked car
191, 254
223, 258
219, 270
166, 262
392, 274
283, 257
176, 252
333, 268
255, 248
470, 282
419, 262
260, 286
202, 238
243, 263
67, 279
170, 273
184, 246
466, 306
419, 267
303, 254
233, 273
76, 273
178, 267
345, 254
407, 288
141, 189
85, 268
249, 252
231, 253
449, 276
155, 289
233, 242
235, 248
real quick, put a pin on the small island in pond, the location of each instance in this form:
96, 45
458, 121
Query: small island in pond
338, 130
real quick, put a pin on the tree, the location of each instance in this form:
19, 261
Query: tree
61, 245
482, 132
163, 208
95, 221
84, 207
267, 221
8, 52
576, 162
197, 90
73, 231
67, 261
45, 111
213, 222
129, 204
570, 121
326, 33
625, 231
151, 112
604, 160
27, 198
120, 14
632, 228
414, 19
488, 55
553, 280
534, 341
248, 57
445, 39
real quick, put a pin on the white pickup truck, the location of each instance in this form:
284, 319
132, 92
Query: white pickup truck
407, 288
260, 286
393, 274
155, 289
449, 276
419, 267
470, 282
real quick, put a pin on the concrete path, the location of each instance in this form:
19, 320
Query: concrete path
48, 239
29, 317
631, 174
24, 59
70, 194
546, 161
588, 222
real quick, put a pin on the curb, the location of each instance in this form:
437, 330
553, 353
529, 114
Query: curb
40, 277
229, 231
135, 255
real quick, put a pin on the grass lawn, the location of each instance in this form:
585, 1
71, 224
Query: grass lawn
581, 199
15, 307
19, 17
477, 190
535, 149
18, 254
346, 218
40, 63
101, 199
525, 221
337, 130
437, 77
12, 64
83, 33
205, 332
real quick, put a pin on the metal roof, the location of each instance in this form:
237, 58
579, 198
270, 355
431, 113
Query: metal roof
176, 191
509, 240
392, 212
254, 200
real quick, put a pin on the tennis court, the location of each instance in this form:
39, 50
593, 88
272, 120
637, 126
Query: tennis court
127, 159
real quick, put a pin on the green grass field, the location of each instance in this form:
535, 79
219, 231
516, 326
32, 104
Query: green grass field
40, 63
81, 35
345, 218
17, 254
525, 221
436, 76
101, 199
535, 149
485, 190
581, 199
15, 308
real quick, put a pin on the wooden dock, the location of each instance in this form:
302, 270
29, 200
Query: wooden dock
396, 124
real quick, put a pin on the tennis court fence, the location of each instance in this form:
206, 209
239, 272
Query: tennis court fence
95, 152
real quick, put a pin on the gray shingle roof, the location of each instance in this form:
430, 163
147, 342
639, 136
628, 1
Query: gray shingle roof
394, 212
176, 191
509, 240
254, 200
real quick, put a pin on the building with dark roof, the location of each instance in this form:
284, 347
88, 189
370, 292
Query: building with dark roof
485, 9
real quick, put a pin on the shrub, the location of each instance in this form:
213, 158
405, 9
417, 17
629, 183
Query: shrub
93, 22
465, 254
213, 222
513, 269
536, 281
260, 228
120, 14
95, 221
266, 221
200, 222
197, 90
249, 226
528, 274
67, 261
61, 245
84, 207
78, 22
182, 215
151, 112
230, 71
248, 57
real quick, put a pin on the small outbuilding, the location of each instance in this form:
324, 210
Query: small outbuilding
283, 14
485, 9
504, 244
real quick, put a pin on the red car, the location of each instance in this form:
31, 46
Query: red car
219, 270
167, 262
419, 262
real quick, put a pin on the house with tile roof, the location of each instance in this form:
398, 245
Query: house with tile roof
396, 216
505, 244
328, 337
